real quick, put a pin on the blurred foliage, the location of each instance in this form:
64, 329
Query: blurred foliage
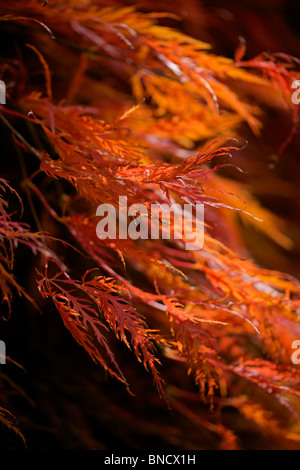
160, 102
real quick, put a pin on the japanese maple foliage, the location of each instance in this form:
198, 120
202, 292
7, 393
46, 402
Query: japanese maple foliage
107, 99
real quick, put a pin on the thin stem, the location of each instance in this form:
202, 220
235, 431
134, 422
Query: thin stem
27, 191
20, 137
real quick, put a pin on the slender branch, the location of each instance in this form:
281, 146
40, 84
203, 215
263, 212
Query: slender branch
20, 137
